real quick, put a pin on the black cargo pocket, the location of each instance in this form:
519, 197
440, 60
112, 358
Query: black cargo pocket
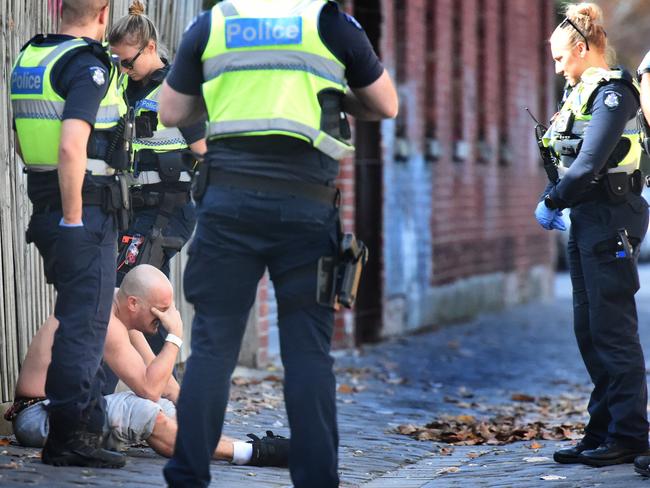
617, 277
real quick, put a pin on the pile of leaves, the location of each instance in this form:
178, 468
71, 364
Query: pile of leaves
465, 430
527, 419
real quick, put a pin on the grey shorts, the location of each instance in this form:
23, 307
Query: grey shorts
129, 420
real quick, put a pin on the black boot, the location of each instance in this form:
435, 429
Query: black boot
270, 450
570, 455
642, 465
79, 448
611, 453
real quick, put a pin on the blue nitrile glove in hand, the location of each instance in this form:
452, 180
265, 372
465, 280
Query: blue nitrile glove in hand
63, 224
549, 218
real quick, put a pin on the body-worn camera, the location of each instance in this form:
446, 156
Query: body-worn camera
338, 277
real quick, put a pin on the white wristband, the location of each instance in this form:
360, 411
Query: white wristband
174, 339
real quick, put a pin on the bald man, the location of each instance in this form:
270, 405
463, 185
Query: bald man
143, 303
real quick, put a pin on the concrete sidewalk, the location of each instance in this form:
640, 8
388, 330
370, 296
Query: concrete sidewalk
475, 368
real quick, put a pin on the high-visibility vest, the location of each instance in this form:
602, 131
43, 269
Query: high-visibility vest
566, 143
265, 66
37, 108
164, 138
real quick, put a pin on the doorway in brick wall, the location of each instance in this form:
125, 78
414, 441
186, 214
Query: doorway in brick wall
369, 198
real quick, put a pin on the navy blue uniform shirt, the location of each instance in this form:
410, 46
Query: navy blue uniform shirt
81, 78
279, 156
614, 105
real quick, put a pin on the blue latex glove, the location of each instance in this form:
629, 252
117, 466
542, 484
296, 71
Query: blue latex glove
549, 218
558, 222
63, 224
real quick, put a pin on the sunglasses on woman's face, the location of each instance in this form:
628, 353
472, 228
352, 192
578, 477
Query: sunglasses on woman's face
129, 63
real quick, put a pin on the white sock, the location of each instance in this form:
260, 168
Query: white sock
242, 452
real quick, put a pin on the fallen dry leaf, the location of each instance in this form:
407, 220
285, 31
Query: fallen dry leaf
241, 381
274, 378
11, 465
4, 441
407, 429
535, 445
345, 389
522, 397
451, 469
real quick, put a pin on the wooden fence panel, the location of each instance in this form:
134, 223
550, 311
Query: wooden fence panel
25, 298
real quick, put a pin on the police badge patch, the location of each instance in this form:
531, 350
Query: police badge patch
612, 100
98, 76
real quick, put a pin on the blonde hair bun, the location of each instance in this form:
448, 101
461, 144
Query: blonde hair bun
588, 13
136, 8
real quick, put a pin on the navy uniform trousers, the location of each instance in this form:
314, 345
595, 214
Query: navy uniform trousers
605, 319
239, 234
80, 262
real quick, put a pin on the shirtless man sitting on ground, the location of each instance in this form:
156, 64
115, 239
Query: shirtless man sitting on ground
143, 303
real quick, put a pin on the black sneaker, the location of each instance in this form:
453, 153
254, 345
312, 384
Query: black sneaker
80, 448
270, 450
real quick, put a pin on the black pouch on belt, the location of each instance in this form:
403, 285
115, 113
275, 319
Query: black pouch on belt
617, 185
170, 165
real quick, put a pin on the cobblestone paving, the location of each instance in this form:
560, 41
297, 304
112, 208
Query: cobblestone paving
459, 369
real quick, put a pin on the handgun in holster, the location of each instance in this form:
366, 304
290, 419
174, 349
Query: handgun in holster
338, 277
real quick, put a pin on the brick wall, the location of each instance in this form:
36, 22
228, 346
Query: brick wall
461, 173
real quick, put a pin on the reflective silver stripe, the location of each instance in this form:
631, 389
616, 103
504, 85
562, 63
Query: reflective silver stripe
47, 109
334, 148
227, 9
99, 167
153, 177
37, 109
107, 114
163, 137
64, 46
329, 145
624, 168
274, 60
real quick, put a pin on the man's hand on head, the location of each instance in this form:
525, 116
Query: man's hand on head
170, 319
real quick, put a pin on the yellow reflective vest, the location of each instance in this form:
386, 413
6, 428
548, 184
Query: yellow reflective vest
37, 108
164, 139
265, 68
565, 142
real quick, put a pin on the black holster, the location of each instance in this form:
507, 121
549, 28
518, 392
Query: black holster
200, 181
339, 276
117, 200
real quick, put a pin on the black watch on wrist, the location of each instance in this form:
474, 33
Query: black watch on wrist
549, 202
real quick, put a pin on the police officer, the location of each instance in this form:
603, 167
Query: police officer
66, 108
274, 77
643, 75
163, 213
594, 135
642, 463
